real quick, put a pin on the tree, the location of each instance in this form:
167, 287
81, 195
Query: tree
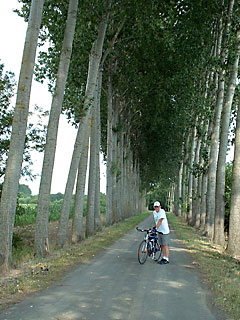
94, 62
234, 226
41, 231
222, 50
25, 190
219, 236
78, 232
15, 155
35, 130
7, 87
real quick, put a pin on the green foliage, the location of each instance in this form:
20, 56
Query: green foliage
161, 57
7, 87
27, 208
157, 192
55, 197
55, 209
24, 190
35, 132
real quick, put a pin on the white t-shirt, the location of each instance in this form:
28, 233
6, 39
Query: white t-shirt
164, 228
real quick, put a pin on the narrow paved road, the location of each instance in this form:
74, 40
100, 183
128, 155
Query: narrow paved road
115, 286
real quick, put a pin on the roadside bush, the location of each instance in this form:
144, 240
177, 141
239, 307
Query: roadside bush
25, 215
55, 209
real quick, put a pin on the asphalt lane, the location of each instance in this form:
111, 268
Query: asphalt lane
114, 285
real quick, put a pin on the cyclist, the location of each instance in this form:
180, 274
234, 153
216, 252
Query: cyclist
161, 222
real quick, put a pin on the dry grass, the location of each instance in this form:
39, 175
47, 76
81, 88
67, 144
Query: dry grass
221, 271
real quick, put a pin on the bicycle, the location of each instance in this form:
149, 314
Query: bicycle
149, 247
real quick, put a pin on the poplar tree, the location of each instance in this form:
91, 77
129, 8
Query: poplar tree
15, 155
41, 230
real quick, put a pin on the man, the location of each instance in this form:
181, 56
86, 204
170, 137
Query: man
161, 222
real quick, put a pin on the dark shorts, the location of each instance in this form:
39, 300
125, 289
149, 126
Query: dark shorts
164, 239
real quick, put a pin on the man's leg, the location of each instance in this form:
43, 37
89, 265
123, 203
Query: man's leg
165, 251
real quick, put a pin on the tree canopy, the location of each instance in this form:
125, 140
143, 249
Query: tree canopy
161, 57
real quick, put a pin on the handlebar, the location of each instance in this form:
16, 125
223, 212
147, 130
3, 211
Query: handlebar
148, 230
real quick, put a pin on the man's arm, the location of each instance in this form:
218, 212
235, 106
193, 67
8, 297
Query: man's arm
159, 223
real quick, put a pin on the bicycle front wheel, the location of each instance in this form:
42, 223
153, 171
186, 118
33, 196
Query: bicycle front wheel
142, 252
157, 251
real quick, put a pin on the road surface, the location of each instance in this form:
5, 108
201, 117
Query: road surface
114, 285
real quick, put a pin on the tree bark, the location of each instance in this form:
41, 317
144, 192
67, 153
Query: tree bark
190, 176
41, 230
15, 155
219, 236
195, 194
109, 192
210, 201
78, 233
184, 177
114, 160
90, 217
233, 247
211, 193
203, 209
94, 62
97, 215
180, 200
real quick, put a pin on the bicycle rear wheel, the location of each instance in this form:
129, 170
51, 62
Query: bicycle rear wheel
157, 251
142, 252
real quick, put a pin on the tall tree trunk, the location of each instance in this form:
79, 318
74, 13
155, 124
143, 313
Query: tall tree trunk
184, 177
94, 62
202, 186
233, 247
219, 236
213, 167
125, 191
121, 182
190, 176
202, 156
210, 97
198, 202
210, 200
109, 191
97, 215
109, 215
41, 230
90, 217
78, 233
195, 194
222, 43
118, 173
180, 177
15, 155
203, 209
114, 161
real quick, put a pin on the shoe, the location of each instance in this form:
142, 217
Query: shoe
163, 261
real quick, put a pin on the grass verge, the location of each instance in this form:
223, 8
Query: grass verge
36, 274
221, 271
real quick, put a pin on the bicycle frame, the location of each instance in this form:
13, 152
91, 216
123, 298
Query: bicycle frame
149, 246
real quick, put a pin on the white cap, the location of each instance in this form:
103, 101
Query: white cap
157, 204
